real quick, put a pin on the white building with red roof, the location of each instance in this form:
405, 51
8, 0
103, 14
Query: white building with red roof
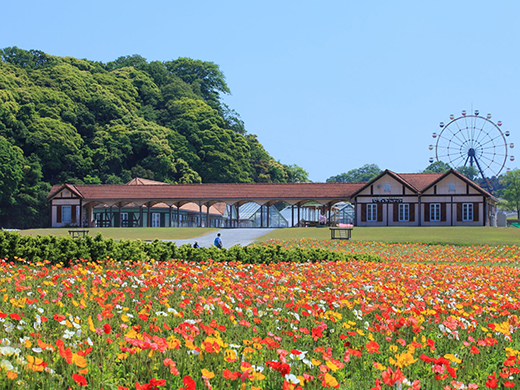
423, 199
391, 199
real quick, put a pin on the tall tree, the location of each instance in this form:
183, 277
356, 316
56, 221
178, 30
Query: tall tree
510, 193
470, 172
296, 174
366, 173
11, 173
205, 78
437, 167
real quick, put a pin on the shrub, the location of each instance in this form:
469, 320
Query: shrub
63, 249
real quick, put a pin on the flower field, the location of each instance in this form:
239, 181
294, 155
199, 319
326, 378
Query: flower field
415, 252
426, 318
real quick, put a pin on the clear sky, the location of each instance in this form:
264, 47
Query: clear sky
330, 85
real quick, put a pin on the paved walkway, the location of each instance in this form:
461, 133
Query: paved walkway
230, 237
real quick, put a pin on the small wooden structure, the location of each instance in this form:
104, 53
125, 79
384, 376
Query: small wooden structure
340, 233
78, 233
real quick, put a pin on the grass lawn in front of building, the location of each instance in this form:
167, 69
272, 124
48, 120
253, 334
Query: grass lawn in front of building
145, 234
434, 235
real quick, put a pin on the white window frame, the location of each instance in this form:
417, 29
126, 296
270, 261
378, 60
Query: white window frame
372, 212
66, 214
435, 212
123, 219
404, 212
467, 212
156, 220
98, 219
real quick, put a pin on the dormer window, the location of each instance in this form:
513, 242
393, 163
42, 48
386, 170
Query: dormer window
387, 188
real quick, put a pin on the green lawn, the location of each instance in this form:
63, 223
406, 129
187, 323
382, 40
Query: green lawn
444, 235
129, 233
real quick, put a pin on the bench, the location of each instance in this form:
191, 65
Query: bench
340, 233
78, 233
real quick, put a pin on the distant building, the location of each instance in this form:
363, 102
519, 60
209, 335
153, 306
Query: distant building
391, 199
423, 199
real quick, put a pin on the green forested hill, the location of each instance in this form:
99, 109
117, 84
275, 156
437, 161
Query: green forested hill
66, 120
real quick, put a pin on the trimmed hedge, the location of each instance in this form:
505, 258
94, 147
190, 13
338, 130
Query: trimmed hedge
63, 249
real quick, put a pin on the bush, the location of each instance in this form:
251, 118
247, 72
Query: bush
62, 249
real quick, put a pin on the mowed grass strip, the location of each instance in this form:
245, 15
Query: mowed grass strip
145, 234
432, 235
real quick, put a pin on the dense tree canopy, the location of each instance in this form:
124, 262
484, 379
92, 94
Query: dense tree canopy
437, 167
64, 119
359, 175
510, 193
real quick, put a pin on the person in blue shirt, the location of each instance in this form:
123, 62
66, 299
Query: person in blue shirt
218, 241
196, 245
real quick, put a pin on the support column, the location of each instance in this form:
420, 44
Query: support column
292, 215
299, 214
268, 214
238, 215
141, 222
178, 216
200, 215
81, 214
170, 214
262, 216
148, 216
207, 215
119, 207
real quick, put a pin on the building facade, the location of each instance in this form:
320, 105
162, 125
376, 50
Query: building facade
423, 199
391, 199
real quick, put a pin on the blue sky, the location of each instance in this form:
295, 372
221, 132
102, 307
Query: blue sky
329, 86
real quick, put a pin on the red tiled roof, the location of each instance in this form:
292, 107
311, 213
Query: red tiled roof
419, 181
241, 191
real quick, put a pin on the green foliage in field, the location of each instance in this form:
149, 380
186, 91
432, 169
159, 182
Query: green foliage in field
63, 249
66, 120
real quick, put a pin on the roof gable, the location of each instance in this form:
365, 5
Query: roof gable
57, 189
387, 172
460, 176
138, 181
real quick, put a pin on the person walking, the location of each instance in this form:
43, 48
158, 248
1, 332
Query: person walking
196, 245
218, 241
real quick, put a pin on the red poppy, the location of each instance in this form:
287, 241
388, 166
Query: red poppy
372, 347
189, 383
107, 328
492, 382
79, 379
231, 375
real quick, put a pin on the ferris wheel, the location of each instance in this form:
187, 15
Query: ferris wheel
473, 141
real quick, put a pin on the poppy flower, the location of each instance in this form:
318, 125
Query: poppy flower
189, 383
79, 379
